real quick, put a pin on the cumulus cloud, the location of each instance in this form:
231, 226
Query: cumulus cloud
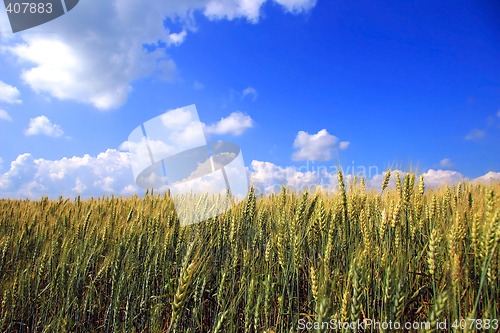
219, 9
42, 125
344, 145
434, 178
250, 9
98, 51
249, 91
475, 134
297, 6
177, 38
236, 123
107, 173
89, 73
267, 178
9, 94
110, 173
446, 163
490, 177
4, 115
316, 147
102, 47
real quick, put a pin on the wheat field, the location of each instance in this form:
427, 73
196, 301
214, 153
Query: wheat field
285, 262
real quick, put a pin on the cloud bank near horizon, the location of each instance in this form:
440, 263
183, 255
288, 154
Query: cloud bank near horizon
109, 173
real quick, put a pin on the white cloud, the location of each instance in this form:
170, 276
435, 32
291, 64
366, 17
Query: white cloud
446, 163
1, 163
344, 145
20, 168
107, 173
297, 6
9, 94
316, 147
41, 125
98, 50
110, 173
475, 134
228, 9
250, 9
4, 115
79, 187
129, 190
178, 118
267, 178
89, 76
434, 178
177, 38
236, 123
490, 177
250, 91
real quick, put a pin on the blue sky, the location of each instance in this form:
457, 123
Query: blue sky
297, 84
